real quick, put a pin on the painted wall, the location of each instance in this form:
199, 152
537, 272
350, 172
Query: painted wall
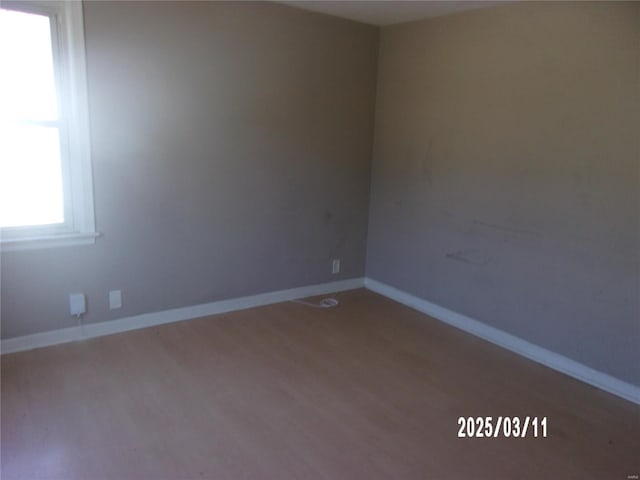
231, 152
232, 146
506, 173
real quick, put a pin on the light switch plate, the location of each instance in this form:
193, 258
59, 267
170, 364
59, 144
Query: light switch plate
335, 266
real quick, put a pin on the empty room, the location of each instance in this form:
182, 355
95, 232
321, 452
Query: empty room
319, 240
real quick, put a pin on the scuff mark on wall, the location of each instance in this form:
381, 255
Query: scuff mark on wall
472, 256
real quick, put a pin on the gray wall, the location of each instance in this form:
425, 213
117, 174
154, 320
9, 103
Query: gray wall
231, 153
505, 178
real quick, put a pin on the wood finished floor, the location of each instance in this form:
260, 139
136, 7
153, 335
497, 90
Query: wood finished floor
367, 390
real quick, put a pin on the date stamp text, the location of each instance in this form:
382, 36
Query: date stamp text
506, 427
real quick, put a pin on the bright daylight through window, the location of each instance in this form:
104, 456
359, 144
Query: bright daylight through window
45, 170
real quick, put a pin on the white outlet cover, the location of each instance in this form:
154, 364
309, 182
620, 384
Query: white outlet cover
115, 299
77, 304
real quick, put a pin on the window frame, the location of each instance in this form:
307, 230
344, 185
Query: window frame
69, 58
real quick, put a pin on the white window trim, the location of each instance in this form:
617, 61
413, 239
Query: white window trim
79, 226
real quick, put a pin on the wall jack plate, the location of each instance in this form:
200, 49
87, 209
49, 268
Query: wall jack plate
115, 299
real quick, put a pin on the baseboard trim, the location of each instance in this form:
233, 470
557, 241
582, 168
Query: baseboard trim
515, 344
91, 330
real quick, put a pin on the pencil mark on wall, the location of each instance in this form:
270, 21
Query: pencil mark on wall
467, 256
459, 256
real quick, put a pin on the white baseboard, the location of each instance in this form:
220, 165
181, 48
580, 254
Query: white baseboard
538, 354
517, 345
109, 327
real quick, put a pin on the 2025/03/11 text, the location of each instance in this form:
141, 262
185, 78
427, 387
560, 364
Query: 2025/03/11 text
507, 427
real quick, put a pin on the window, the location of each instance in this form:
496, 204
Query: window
46, 194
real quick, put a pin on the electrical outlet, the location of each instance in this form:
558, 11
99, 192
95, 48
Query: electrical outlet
77, 304
335, 266
115, 299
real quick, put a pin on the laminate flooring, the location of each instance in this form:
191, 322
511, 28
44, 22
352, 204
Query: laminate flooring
369, 390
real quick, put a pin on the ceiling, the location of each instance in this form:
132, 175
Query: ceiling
388, 12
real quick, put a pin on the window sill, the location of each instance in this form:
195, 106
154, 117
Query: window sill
48, 241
